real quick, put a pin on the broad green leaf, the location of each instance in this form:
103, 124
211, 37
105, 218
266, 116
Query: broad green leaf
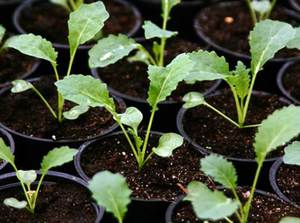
292, 154
85, 91
168, 142
2, 33
154, 31
34, 46
261, 6
139, 56
290, 220
20, 86
295, 42
137, 139
167, 5
278, 129
208, 66
63, 3
131, 117
57, 157
193, 99
164, 80
75, 112
111, 191
85, 23
221, 170
5, 153
266, 39
111, 49
27, 176
210, 205
13, 202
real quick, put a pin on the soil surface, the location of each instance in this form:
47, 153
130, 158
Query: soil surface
159, 178
25, 113
214, 133
265, 209
51, 21
132, 78
291, 81
288, 181
229, 26
61, 202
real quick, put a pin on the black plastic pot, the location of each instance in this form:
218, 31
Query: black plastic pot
272, 178
245, 167
9, 180
294, 4
9, 142
280, 84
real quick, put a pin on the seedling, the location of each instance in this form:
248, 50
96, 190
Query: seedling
266, 39
89, 92
277, 130
111, 191
70, 5
82, 28
260, 9
54, 158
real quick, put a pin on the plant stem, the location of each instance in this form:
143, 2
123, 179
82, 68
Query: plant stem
151, 59
72, 56
250, 126
73, 5
60, 100
163, 39
38, 189
241, 214
237, 105
228, 220
252, 12
271, 9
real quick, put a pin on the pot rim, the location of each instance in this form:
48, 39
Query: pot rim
9, 3
11, 145
294, 5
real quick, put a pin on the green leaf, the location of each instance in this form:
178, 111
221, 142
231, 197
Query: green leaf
295, 42
63, 3
33, 45
111, 191
27, 176
57, 157
20, 86
131, 117
85, 23
13, 202
156, 50
261, 6
290, 220
278, 129
221, 170
111, 49
164, 80
168, 142
5, 153
211, 205
85, 91
292, 154
2, 33
75, 112
154, 31
139, 56
266, 39
193, 99
208, 67
167, 5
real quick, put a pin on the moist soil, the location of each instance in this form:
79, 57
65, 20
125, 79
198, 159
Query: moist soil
288, 181
58, 202
265, 209
25, 113
160, 178
291, 81
234, 35
132, 78
213, 133
51, 20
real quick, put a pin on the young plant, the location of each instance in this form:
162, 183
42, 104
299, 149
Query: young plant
70, 5
82, 28
266, 39
260, 9
111, 191
278, 129
115, 47
89, 92
54, 158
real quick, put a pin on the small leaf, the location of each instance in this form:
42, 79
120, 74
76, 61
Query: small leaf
292, 154
139, 56
13, 202
295, 42
63, 3
193, 99
2, 33
27, 176
33, 45
210, 205
111, 191
278, 129
156, 50
220, 170
57, 157
5, 152
290, 220
154, 31
20, 86
168, 142
75, 112
261, 6
131, 117
111, 49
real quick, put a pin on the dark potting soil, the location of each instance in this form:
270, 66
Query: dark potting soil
25, 113
61, 202
291, 81
160, 177
51, 20
132, 78
234, 35
214, 133
288, 181
265, 209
